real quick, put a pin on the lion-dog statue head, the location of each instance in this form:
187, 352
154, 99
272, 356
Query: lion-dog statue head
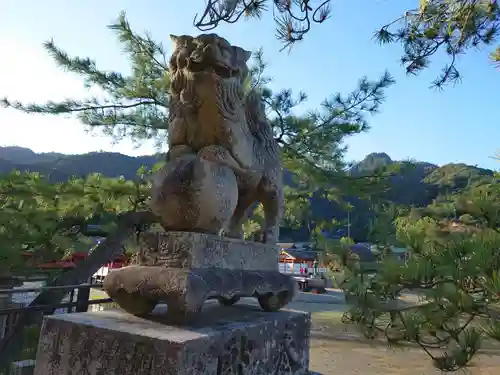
207, 104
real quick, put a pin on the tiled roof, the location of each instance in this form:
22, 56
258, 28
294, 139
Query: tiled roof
302, 254
363, 250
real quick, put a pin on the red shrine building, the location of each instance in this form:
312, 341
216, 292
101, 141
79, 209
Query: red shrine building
294, 257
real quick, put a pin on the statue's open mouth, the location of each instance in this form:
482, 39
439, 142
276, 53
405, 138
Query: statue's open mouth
221, 70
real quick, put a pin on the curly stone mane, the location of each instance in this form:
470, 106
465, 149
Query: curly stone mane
258, 124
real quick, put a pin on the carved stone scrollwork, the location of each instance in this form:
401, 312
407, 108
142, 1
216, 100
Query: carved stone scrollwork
237, 358
243, 356
288, 362
234, 340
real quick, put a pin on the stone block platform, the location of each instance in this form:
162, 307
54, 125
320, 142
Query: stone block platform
138, 289
185, 269
239, 340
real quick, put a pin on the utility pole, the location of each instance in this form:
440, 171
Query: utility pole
349, 224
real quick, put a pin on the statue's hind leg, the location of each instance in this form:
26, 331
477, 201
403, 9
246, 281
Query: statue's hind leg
272, 202
234, 227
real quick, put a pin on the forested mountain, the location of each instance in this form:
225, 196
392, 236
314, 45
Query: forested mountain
61, 166
418, 186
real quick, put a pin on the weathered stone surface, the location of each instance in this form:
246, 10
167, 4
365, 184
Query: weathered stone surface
191, 193
222, 153
200, 250
137, 289
239, 340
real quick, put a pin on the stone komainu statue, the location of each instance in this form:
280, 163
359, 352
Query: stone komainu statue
222, 154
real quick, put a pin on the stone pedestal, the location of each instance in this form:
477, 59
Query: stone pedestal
185, 269
199, 250
239, 340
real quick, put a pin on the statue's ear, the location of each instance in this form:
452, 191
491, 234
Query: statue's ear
243, 54
180, 39
174, 38
246, 55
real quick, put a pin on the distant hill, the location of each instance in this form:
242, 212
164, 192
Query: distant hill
419, 186
60, 167
23, 155
371, 162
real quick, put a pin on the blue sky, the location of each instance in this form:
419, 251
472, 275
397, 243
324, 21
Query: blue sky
459, 124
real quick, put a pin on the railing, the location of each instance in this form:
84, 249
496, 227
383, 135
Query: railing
15, 301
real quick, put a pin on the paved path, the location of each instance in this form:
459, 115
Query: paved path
333, 301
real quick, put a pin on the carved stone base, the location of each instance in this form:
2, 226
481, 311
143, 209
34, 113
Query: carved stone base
200, 250
138, 289
237, 340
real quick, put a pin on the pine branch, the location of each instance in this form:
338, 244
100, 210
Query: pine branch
452, 26
87, 68
138, 46
134, 107
311, 144
68, 106
51, 219
293, 18
139, 120
437, 25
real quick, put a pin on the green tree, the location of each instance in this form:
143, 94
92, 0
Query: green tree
453, 268
382, 230
336, 254
49, 220
452, 26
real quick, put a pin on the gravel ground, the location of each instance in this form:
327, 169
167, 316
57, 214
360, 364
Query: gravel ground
338, 349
